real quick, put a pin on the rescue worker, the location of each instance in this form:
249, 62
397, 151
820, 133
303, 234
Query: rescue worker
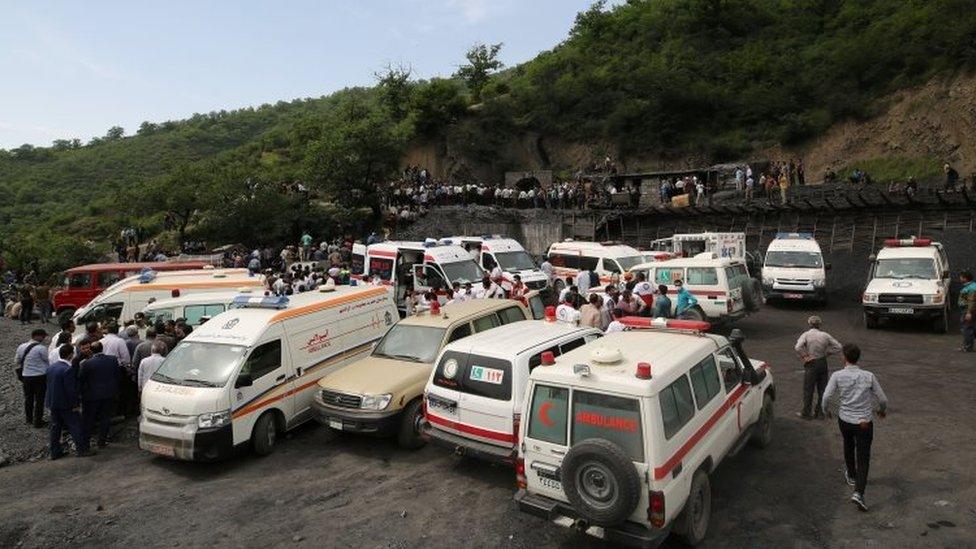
566, 312
518, 289
685, 299
859, 395
967, 309
813, 347
644, 291
64, 403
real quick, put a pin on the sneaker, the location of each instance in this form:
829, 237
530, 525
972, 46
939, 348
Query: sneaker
858, 500
850, 480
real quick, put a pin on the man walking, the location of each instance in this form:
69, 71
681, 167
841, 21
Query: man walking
64, 403
31, 360
99, 376
967, 310
859, 393
813, 347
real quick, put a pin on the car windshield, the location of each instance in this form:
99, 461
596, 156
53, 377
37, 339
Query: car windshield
159, 315
462, 271
514, 261
915, 267
806, 260
628, 263
199, 364
413, 343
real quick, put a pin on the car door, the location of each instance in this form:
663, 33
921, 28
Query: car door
742, 397
266, 365
485, 400
546, 438
443, 391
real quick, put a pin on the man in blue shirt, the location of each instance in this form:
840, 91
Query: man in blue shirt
31, 361
967, 308
685, 299
64, 403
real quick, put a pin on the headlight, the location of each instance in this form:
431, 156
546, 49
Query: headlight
819, 282
937, 299
375, 402
213, 420
870, 298
768, 280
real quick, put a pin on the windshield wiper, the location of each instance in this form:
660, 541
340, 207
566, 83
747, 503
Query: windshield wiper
199, 383
405, 357
164, 378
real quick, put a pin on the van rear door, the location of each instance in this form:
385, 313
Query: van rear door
486, 404
443, 394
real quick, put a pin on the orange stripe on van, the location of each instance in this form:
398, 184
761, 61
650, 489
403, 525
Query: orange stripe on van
322, 305
191, 285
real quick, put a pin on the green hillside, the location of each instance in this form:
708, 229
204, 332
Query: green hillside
669, 77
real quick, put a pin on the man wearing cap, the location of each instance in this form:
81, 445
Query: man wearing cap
813, 347
31, 359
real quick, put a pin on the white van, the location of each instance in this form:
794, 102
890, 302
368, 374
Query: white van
251, 373
909, 279
732, 245
474, 395
422, 266
721, 285
605, 258
194, 307
794, 269
496, 250
125, 298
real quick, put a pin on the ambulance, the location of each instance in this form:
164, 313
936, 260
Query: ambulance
250, 374
125, 298
421, 266
605, 258
794, 269
732, 245
909, 279
194, 307
621, 437
507, 253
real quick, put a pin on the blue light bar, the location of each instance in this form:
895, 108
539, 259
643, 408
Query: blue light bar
260, 302
804, 236
147, 275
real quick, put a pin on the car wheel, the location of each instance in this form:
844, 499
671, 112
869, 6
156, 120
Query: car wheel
408, 436
870, 322
692, 523
764, 428
600, 481
265, 435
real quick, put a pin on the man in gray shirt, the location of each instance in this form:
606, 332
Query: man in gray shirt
859, 394
813, 348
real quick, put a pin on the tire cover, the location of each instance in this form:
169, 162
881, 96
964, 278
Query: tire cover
600, 457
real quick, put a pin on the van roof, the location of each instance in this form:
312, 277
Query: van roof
516, 338
705, 259
794, 244
246, 326
907, 252
670, 355
603, 249
138, 266
438, 252
178, 280
193, 299
456, 312
493, 243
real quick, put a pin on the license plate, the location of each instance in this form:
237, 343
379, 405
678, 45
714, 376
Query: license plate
162, 449
793, 296
901, 311
442, 404
550, 483
337, 425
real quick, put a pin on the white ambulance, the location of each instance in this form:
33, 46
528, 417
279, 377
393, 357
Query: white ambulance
194, 307
506, 253
605, 258
125, 298
731, 245
250, 374
909, 279
421, 266
794, 269
620, 437
473, 399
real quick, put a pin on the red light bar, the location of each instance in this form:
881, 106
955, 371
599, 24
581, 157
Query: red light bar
907, 242
659, 323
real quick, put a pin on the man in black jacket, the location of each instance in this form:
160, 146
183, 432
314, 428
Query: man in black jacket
64, 403
99, 377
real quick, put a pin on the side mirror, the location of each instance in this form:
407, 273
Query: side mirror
243, 380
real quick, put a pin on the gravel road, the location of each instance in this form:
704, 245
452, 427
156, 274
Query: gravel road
317, 490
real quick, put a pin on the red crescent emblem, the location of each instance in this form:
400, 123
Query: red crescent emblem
544, 414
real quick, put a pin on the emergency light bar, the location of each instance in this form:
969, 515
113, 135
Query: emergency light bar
259, 302
804, 236
908, 242
643, 322
147, 275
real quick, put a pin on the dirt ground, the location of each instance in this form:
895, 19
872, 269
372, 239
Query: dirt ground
351, 492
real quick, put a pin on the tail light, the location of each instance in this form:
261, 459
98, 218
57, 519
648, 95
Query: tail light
516, 423
655, 509
520, 480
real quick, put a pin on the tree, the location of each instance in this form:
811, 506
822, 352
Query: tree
147, 128
395, 89
436, 105
115, 133
482, 63
183, 194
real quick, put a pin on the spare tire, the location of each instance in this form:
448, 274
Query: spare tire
600, 481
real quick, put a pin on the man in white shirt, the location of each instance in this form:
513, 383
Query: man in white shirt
113, 345
546, 268
149, 365
566, 312
644, 290
583, 281
616, 325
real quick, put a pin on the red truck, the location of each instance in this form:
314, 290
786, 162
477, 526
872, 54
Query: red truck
84, 283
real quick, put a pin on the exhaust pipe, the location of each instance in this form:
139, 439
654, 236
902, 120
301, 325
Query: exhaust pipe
581, 525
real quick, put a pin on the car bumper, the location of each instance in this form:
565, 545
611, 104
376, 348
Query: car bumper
818, 294
890, 310
466, 447
357, 421
174, 442
627, 533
